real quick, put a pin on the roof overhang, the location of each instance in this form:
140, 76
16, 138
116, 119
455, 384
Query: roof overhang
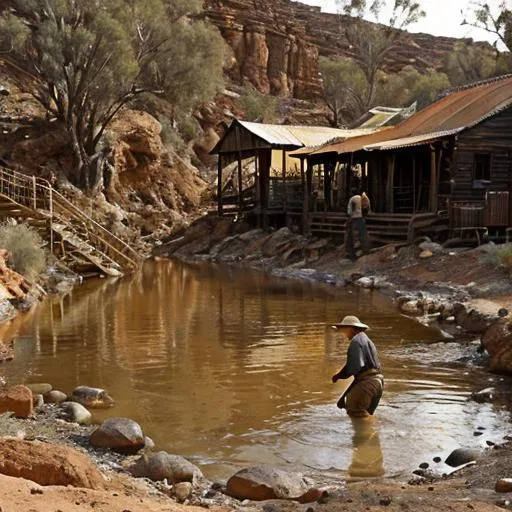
415, 140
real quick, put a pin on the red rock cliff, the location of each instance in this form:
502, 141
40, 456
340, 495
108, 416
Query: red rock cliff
276, 44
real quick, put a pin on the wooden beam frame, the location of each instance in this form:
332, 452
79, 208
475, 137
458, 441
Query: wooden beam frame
219, 186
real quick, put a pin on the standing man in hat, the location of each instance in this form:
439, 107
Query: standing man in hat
357, 209
363, 395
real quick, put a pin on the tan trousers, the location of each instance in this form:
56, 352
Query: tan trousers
364, 395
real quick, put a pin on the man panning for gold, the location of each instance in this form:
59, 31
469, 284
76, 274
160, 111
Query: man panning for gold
363, 395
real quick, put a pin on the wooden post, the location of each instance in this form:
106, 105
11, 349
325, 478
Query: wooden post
240, 188
433, 180
283, 175
510, 188
413, 183
256, 180
305, 199
390, 184
239, 158
34, 192
51, 218
219, 186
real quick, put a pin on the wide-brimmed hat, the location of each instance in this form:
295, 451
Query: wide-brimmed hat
351, 321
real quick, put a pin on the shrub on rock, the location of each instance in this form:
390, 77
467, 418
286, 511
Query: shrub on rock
122, 435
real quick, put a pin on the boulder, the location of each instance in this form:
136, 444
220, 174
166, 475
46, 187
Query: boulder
484, 395
472, 320
503, 485
461, 456
93, 398
265, 483
432, 247
149, 444
367, 282
75, 413
37, 401
48, 464
39, 388
497, 340
54, 397
161, 465
122, 435
426, 254
410, 307
17, 399
182, 491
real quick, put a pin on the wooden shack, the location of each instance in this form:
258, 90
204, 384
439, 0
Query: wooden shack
256, 175
447, 168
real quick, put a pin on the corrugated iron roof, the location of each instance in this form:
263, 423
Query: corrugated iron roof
296, 135
415, 140
457, 111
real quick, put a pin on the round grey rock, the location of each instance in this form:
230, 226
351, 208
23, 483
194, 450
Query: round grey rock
75, 413
149, 444
54, 397
122, 435
162, 465
93, 398
39, 388
461, 456
264, 483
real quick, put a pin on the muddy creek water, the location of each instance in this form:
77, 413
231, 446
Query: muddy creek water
233, 368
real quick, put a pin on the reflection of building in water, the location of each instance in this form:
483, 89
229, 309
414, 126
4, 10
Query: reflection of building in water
367, 458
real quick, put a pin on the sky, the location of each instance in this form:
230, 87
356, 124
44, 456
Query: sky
443, 18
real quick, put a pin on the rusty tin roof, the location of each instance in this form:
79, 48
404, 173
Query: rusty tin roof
286, 136
459, 110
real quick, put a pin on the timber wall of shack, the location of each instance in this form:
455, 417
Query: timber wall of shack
493, 137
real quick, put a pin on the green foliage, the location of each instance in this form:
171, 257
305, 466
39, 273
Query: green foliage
25, 248
498, 256
90, 58
258, 106
409, 85
496, 20
470, 63
345, 89
402, 12
371, 43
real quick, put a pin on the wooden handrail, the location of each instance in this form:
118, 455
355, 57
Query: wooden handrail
38, 194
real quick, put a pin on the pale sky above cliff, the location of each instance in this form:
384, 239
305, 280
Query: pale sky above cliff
443, 18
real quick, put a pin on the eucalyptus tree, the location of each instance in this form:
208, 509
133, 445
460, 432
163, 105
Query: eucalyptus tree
84, 60
371, 43
497, 20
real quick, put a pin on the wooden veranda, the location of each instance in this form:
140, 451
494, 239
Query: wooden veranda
256, 175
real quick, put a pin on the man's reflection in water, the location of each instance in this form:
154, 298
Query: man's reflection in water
367, 459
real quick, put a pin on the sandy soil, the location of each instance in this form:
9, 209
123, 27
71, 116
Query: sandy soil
124, 495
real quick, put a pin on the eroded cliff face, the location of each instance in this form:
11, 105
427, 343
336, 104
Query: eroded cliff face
270, 49
276, 44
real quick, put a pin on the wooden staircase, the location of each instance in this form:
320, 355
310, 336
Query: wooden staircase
74, 238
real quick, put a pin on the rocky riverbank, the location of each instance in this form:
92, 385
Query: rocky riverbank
52, 458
